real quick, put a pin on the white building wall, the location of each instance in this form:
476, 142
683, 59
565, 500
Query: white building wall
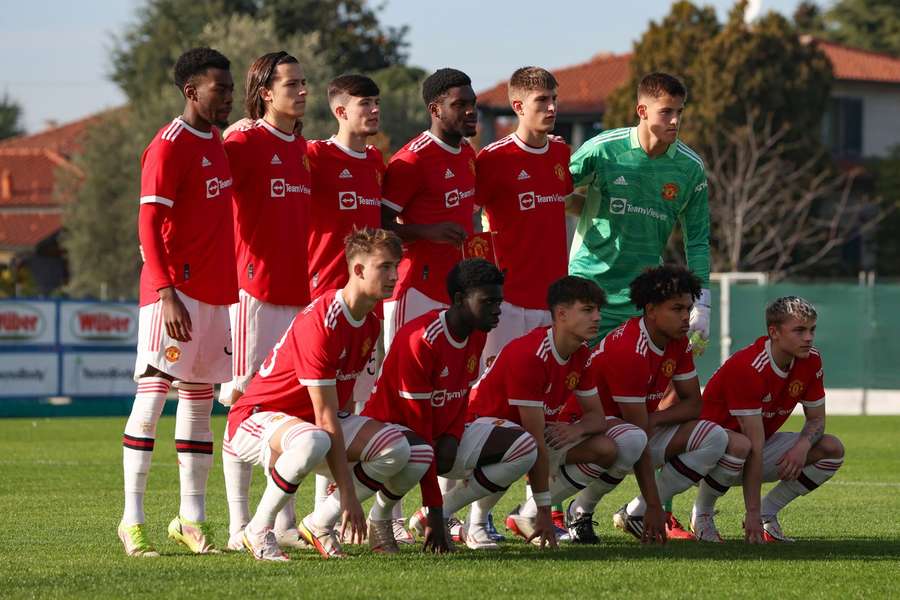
881, 114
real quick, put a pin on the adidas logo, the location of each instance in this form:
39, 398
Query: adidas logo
523, 175
445, 372
345, 174
275, 160
448, 174
205, 162
620, 180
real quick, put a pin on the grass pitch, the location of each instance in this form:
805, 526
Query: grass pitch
61, 498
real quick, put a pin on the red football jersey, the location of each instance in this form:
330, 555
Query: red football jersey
424, 384
523, 191
530, 372
271, 212
750, 383
323, 346
346, 194
187, 171
629, 367
429, 182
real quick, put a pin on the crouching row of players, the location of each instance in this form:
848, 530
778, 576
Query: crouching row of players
576, 421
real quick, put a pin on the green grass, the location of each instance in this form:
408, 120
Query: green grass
60, 501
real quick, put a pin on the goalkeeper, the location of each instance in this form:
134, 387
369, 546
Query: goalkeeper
639, 181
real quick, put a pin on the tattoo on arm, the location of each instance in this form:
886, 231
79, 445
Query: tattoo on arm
813, 430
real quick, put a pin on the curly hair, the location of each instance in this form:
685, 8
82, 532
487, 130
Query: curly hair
438, 83
658, 284
570, 289
472, 273
195, 62
781, 309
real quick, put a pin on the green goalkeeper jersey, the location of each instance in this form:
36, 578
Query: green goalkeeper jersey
629, 212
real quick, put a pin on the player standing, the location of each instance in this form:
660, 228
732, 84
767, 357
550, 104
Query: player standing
754, 393
187, 282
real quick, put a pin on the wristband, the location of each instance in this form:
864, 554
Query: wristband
541, 498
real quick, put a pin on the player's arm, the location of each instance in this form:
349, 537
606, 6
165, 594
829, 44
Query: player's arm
686, 409
446, 232
325, 406
752, 427
532, 418
654, 518
584, 167
793, 461
694, 219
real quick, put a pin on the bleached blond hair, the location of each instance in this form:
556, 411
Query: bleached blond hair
781, 309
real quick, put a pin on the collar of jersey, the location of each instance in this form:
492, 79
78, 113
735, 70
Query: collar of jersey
206, 135
453, 342
345, 149
287, 137
340, 298
530, 149
636, 144
443, 144
656, 349
779, 372
556, 354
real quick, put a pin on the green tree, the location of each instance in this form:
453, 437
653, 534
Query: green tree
868, 24
403, 112
10, 118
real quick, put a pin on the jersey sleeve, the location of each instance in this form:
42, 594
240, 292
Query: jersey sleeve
694, 220
161, 173
566, 156
317, 353
237, 148
685, 368
585, 165
402, 181
815, 391
743, 390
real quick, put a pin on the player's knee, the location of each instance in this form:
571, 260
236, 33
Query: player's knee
393, 452
444, 462
309, 447
716, 439
630, 443
522, 452
831, 446
739, 445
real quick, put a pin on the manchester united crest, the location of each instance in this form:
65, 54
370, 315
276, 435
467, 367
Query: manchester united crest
560, 172
572, 380
669, 191
668, 367
471, 364
173, 353
795, 388
477, 247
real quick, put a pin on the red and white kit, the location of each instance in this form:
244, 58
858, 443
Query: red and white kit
424, 385
523, 191
271, 214
324, 346
427, 182
185, 176
346, 195
630, 368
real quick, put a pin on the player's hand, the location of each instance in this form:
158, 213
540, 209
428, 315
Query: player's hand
352, 516
753, 529
239, 125
544, 529
437, 538
792, 462
558, 435
175, 315
699, 322
654, 526
446, 232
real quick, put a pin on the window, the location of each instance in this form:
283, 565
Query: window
842, 127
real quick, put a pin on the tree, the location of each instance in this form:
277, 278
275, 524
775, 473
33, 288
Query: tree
868, 24
10, 118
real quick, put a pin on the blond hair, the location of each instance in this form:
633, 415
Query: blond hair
367, 240
781, 309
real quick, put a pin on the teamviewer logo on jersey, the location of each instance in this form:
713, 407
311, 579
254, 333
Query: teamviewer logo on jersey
617, 206
347, 200
276, 188
212, 187
526, 201
451, 199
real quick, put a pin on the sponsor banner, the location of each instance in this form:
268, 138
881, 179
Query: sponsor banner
29, 374
26, 323
98, 324
98, 373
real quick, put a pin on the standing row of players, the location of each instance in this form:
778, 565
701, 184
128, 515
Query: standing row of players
186, 224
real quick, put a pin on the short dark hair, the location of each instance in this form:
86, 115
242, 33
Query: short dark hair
570, 289
656, 84
259, 77
529, 79
472, 273
358, 86
195, 62
438, 83
658, 284
367, 240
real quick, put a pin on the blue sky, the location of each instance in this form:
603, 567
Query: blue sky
54, 55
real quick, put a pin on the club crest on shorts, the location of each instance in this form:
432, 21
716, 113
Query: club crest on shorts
795, 388
471, 364
667, 367
669, 191
173, 353
572, 380
560, 172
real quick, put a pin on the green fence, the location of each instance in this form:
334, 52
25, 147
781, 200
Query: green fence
858, 330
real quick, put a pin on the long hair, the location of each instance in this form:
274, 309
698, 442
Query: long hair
259, 77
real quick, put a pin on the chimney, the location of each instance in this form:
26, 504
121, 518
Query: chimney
6, 187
